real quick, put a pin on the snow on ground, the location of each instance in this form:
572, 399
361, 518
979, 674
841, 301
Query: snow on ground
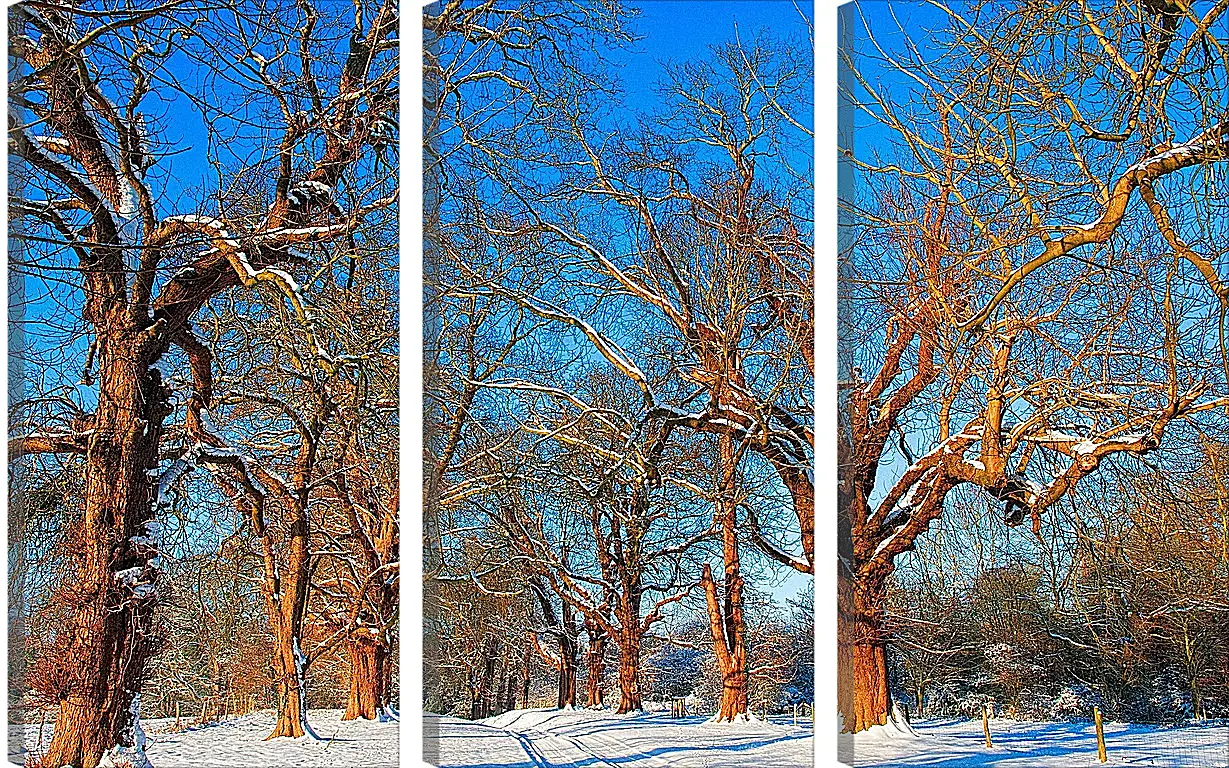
549, 738
1018, 744
240, 742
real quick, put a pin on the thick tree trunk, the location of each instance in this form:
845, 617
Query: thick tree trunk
862, 673
595, 658
568, 656
287, 606
285, 588
731, 652
567, 674
368, 661
629, 670
112, 597
288, 662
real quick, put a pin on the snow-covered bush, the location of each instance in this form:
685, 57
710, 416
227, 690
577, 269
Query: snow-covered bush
971, 705
1075, 702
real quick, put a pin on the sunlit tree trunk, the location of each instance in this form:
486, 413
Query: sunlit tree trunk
112, 597
725, 613
369, 660
287, 605
629, 672
862, 673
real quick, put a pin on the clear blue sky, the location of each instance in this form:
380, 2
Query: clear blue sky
679, 30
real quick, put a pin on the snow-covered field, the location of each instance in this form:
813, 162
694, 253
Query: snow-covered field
240, 742
547, 738
961, 744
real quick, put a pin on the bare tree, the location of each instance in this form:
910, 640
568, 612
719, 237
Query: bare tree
961, 364
143, 274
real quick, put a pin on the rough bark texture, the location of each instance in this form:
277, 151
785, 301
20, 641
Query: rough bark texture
862, 674
595, 661
725, 614
629, 671
109, 641
730, 650
568, 656
368, 675
286, 601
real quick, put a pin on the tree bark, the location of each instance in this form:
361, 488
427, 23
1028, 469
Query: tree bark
629, 669
292, 690
368, 661
528, 676
112, 597
726, 615
567, 662
731, 653
862, 674
286, 600
595, 658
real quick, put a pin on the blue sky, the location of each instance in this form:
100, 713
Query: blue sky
683, 29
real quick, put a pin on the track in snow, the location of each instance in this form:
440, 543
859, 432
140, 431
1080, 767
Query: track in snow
601, 739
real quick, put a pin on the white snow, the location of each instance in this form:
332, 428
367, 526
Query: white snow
240, 742
1019, 744
306, 191
548, 738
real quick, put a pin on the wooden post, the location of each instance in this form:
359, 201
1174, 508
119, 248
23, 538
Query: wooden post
795, 714
985, 726
204, 710
177, 715
1096, 716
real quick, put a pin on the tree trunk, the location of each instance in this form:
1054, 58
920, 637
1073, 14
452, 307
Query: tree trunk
112, 597
731, 652
528, 676
595, 659
488, 676
287, 606
368, 659
567, 674
292, 690
285, 590
568, 657
726, 616
629, 670
862, 673
510, 693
